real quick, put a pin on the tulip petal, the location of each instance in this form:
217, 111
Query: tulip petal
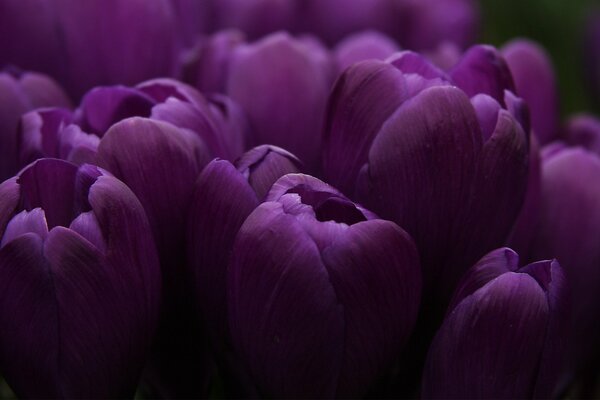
281, 303
413, 180
489, 346
222, 201
374, 269
483, 70
363, 98
102, 107
263, 165
49, 184
29, 359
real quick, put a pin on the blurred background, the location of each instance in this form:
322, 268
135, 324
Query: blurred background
560, 26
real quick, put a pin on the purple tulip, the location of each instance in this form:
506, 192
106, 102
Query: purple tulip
84, 44
282, 84
569, 229
535, 82
504, 335
80, 287
322, 295
19, 93
217, 122
416, 150
224, 196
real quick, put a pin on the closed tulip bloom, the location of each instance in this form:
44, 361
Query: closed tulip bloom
322, 295
418, 151
504, 334
293, 78
535, 82
19, 93
568, 229
224, 196
86, 44
80, 287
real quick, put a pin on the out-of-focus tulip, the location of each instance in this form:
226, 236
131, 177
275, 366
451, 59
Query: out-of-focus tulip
505, 332
282, 83
80, 287
425, 24
83, 44
224, 196
363, 46
74, 136
19, 93
389, 129
534, 79
569, 229
322, 295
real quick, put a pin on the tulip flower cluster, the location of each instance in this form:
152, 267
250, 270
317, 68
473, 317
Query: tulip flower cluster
290, 199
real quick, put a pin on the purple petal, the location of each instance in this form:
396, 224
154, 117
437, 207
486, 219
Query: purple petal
49, 184
33, 221
414, 181
293, 85
281, 305
159, 162
104, 106
489, 346
583, 130
535, 82
363, 98
28, 340
374, 269
263, 165
483, 70
363, 46
222, 201
39, 133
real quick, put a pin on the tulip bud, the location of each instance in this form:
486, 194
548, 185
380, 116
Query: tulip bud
505, 332
293, 78
322, 295
19, 93
80, 287
535, 82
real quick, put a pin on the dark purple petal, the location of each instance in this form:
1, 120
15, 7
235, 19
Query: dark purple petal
49, 184
39, 133
222, 201
583, 130
214, 58
29, 338
281, 305
490, 344
482, 69
263, 165
535, 82
293, 86
410, 62
363, 98
159, 162
374, 270
413, 180
363, 46
104, 106
33, 221
568, 230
